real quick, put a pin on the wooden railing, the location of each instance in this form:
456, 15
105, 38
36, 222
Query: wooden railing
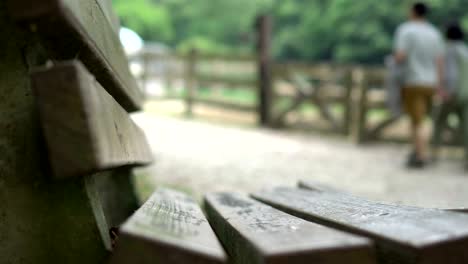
344, 99
203, 78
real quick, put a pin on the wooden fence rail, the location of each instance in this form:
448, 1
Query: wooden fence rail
323, 86
346, 99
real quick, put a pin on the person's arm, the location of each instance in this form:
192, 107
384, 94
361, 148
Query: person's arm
441, 75
400, 56
452, 71
401, 46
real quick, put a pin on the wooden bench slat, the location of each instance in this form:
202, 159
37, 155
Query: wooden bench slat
85, 129
459, 210
169, 228
256, 233
318, 186
403, 234
82, 30
106, 6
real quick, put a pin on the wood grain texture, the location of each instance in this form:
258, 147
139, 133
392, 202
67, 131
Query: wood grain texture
169, 228
459, 210
318, 186
84, 30
85, 129
403, 234
41, 220
106, 6
256, 233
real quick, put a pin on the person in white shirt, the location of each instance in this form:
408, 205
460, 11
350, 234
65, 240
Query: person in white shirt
419, 49
455, 90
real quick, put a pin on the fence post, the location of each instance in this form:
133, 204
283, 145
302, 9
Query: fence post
348, 101
167, 75
145, 75
361, 129
264, 31
190, 82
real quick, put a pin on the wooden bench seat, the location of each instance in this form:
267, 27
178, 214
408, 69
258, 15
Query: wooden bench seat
256, 233
169, 228
86, 130
341, 228
403, 234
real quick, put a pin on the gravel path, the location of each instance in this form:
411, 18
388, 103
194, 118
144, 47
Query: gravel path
200, 157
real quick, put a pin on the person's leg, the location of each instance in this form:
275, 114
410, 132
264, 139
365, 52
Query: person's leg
440, 123
417, 101
420, 112
464, 129
419, 141
413, 105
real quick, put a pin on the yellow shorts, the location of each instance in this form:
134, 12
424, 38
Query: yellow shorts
417, 102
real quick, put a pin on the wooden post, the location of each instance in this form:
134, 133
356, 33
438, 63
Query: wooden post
348, 102
361, 130
190, 82
264, 29
145, 75
168, 76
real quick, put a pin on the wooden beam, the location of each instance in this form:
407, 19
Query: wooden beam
82, 30
403, 234
223, 103
238, 83
375, 133
106, 6
169, 228
190, 82
320, 187
256, 233
459, 210
265, 81
86, 130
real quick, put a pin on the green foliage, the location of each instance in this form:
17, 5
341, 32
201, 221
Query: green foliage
326, 30
151, 21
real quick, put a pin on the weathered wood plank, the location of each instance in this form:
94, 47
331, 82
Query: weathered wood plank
117, 195
256, 233
318, 186
82, 30
403, 234
86, 130
169, 228
106, 6
459, 210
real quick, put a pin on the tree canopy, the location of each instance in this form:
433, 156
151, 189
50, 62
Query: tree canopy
314, 30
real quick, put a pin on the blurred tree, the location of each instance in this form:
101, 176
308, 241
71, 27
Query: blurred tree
151, 21
326, 30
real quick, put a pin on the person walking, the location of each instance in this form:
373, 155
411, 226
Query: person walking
454, 94
419, 49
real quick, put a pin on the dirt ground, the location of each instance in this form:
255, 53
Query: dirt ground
198, 156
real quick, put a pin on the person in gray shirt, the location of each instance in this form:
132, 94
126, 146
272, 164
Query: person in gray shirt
454, 93
419, 50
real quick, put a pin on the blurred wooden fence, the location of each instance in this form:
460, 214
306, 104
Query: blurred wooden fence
206, 79
341, 99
